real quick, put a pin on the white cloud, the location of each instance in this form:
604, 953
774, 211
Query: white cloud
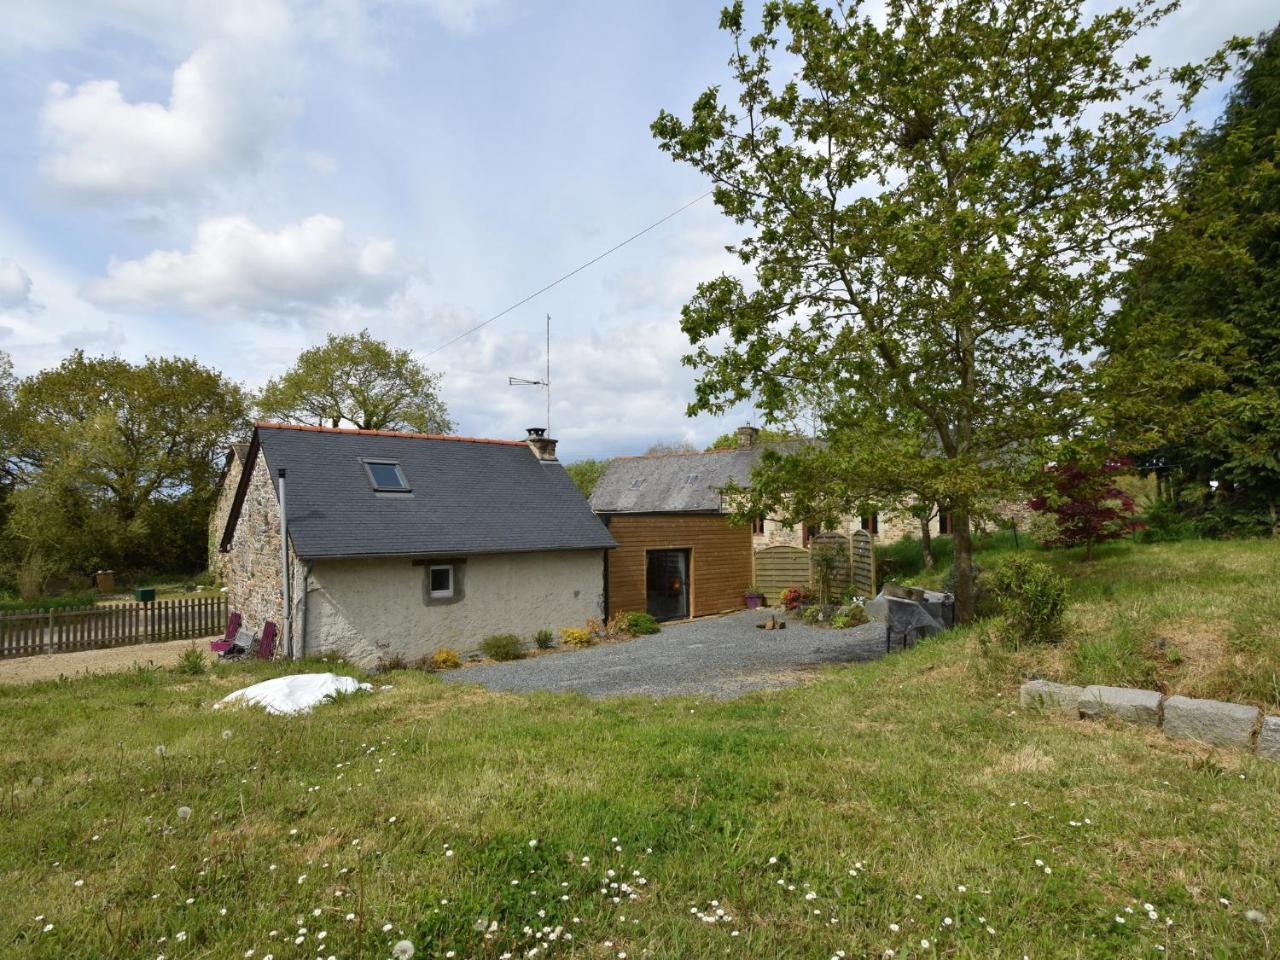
235, 265
179, 24
224, 106
15, 287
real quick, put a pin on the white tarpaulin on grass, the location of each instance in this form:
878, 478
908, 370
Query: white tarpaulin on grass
297, 693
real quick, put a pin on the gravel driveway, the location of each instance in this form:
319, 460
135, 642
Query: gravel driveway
720, 656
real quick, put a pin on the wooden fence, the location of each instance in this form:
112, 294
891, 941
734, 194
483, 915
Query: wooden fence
863, 556
30, 632
779, 567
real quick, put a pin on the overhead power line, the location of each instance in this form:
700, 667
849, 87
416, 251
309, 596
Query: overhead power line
575, 270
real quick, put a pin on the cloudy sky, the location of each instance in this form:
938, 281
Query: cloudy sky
232, 179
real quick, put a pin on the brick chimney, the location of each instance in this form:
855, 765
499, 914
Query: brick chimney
543, 447
747, 436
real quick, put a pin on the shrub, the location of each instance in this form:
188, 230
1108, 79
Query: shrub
619, 625
812, 613
1031, 598
852, 615
503, 646
393, 662
444, 659
192, 662
641, 624
793, 598
544, 639
66, 601
576, 637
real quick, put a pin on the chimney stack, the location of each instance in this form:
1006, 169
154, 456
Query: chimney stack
543, 447
747, 436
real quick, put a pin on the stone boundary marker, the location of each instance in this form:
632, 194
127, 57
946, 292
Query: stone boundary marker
1213, 722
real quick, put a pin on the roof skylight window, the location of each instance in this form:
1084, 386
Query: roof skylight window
386, 476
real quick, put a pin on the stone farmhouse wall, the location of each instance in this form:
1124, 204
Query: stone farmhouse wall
251, 569
221, 511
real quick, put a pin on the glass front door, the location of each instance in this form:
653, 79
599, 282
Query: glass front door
667, 584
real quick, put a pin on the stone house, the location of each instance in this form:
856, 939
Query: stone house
227, 483
400, 543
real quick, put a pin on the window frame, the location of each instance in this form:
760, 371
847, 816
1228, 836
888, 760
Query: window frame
371, 462
440, 594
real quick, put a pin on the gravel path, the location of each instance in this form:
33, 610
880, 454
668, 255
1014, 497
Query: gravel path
721, 657
55, 665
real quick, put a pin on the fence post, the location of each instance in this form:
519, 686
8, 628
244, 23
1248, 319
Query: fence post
48, 637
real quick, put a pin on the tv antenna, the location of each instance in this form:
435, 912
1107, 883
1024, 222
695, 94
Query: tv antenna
545, 383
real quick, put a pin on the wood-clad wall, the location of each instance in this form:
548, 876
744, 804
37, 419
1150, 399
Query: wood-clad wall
720, 558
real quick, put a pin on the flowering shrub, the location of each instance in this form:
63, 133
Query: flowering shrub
793, 598
576, 637
445, 659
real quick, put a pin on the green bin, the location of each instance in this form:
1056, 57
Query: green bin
144, 594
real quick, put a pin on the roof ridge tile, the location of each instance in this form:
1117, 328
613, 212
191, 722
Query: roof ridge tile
404, 434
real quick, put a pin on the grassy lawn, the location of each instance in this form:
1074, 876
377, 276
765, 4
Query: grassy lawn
880, 807
1200, 618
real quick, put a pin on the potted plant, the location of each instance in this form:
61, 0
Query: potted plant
753, 598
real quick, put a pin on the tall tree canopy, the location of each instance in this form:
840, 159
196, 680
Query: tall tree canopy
933, 210
1193, 356
356, 379
117, 462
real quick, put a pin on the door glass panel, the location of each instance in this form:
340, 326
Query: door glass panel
667, 584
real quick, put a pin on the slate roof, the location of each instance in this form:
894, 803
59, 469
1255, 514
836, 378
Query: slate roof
469, 496
673, 482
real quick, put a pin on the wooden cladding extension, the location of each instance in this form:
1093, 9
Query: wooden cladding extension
720, 558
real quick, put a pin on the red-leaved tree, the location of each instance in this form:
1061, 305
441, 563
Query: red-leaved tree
1086, 504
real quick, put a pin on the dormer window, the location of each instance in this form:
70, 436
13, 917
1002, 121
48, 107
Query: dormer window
385, 476
637, 483
690, 480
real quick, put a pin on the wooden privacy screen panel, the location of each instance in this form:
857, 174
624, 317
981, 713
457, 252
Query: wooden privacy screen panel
31, 632
862, 554
779, 567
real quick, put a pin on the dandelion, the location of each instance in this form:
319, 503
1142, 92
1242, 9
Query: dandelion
946, 921
184, 813
226, 735
894, 927
160, 750
386, 928
79, 883
962, 889
47, 927
924, 944
180, 936
1255, 916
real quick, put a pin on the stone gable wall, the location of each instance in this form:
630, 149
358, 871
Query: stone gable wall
251, 568
218, 518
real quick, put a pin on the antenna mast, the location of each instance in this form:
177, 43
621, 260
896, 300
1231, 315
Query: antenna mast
544, 383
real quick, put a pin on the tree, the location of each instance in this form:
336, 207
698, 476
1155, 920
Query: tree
935, 212
1086, 505
355, 379
118, 462
1192, 368
586, 474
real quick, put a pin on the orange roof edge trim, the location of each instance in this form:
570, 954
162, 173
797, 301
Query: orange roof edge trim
271, 425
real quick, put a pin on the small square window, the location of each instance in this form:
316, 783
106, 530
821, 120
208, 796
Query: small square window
386, 475
440, 581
